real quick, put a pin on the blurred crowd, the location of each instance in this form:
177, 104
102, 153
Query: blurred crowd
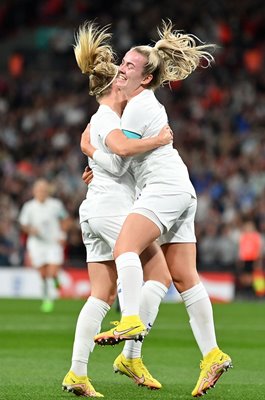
217, 114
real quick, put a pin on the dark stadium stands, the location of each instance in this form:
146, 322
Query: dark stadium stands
217, 114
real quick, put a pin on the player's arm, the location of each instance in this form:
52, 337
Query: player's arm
24, 222
110, 162
66, 223
126, 147
29, 230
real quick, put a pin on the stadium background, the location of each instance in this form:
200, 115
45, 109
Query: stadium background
218, 114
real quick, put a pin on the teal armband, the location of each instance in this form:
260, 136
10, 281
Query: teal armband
131, 135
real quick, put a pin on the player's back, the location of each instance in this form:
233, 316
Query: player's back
107, 194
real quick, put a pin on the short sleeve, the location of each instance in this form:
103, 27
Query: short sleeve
143, 116
24, 216
129, 121
108, 122
62, 212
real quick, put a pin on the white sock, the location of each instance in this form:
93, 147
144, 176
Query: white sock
88, 325
200, 311
152, 294
120, 297
49, 290
130, 277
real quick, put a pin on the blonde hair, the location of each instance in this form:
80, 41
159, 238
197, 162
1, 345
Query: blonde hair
174, 57
95, 57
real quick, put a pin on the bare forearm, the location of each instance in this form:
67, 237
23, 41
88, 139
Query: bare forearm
132, 147
88, 149
29, 230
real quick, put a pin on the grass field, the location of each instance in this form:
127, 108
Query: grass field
35, 353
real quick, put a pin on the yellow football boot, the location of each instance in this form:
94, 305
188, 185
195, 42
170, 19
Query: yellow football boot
129, 328
79, 385
213, 365
135, 369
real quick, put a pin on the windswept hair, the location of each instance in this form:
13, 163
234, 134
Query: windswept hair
174, 57
95, 57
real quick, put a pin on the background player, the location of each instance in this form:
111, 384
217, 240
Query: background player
45, 221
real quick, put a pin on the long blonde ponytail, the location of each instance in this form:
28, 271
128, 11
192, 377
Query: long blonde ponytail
174, 56
95, 56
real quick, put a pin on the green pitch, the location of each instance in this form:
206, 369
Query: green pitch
35, 353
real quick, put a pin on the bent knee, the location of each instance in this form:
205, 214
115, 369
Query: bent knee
121, 249
108, 297
165, 280
184, 284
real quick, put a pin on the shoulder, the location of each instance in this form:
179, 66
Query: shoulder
27, 209
54, 201
29, 203
144, 101
105, 115
106, 110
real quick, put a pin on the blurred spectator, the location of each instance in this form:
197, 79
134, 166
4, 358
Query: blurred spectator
75, 249
227, 249
250, 258
208, 248
6, 245
16, 64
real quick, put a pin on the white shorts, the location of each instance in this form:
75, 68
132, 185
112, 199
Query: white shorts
164, 209
45, 253
99, 237
183, 231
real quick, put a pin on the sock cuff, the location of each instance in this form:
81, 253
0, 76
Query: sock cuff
194, 294
158, 286
98, 302
129, 259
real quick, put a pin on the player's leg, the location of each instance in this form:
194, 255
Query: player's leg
151, 215
156, 282
54, 258
38, 258
88, 325
181, 260
136, 234
92, 313
54, 270
47, 304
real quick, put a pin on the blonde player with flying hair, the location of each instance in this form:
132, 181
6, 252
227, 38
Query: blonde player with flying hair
167, 205
108, 201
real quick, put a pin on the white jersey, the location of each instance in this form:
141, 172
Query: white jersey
107, 194
163, 167
45, 217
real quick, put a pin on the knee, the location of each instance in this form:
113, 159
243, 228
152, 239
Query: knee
186, 283
108, 296
112, 298
118, 249
116, 252
126, 246
166, 280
